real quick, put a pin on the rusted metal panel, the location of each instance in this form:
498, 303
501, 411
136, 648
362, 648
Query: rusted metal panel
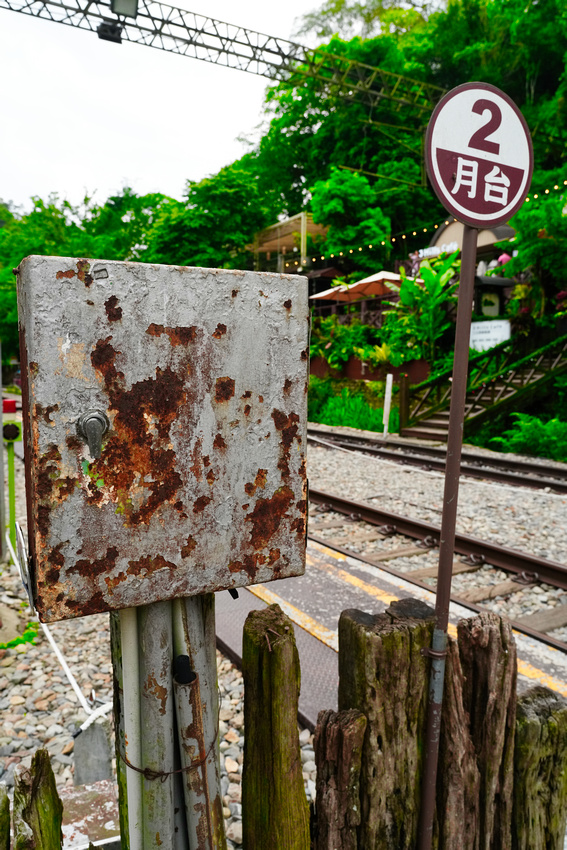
200, 485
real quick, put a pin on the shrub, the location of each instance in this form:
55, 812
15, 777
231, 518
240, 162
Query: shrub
352, 411
531, 436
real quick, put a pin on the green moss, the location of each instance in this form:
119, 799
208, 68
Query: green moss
28, 636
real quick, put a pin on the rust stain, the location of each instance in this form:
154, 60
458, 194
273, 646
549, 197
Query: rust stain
113, 311
189, 546
94, 568
196, 457
267, 516
224, 389
248, 565
44, 413
206, 461
96, 603
83, 268
305, 354
261, 399
234, 293
287, 386
177, 336
287, 304
259, 481
288, 425
90, 303
34, 368
247, 409
201, 503
211, 477
149, 565
219, 442
152, 687
143, 416
220, 331
69, 274
245, 395
50, 487
274, 556
246, 506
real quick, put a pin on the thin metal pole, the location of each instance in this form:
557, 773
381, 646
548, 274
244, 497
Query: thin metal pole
447, 542
157, 724
132, 726
11, 491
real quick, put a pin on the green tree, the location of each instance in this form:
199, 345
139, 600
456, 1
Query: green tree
216, 222
348, 205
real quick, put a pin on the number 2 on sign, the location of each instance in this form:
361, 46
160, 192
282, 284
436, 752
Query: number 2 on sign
479, 140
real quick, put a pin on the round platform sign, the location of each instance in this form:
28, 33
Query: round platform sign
478, 154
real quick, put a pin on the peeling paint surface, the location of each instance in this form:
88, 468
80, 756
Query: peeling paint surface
201, 483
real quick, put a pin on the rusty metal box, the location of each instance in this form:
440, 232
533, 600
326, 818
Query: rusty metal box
200, 484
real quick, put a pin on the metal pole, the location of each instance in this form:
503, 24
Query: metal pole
132, 742
447, 542
11, 491
197, 718
157, 723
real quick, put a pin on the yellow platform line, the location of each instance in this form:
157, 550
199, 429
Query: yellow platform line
524, 667
300, 618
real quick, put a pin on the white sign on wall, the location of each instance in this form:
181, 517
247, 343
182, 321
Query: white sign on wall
486, 335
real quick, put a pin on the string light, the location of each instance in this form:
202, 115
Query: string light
400, 236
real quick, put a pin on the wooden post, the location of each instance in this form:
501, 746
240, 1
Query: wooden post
4, 819
383, 674
275, 814
38, 811
488, 658
540, 783
458, 779
338, 755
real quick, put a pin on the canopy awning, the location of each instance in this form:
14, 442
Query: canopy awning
374, 286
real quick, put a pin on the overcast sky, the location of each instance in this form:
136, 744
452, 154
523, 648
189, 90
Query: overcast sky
84, 115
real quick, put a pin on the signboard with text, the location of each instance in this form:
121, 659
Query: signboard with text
485, 335
478, 154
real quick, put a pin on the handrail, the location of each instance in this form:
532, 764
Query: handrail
433, 395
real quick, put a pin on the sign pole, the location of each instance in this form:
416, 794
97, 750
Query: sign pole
438, 649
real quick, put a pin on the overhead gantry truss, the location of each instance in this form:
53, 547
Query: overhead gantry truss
199, 37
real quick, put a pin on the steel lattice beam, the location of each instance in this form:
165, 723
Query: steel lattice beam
178, 31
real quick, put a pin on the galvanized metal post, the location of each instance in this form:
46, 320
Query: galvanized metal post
130, 704
157, 719
447, 543
196, 704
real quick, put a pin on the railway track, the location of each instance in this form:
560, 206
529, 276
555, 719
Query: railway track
399, 545
522, 473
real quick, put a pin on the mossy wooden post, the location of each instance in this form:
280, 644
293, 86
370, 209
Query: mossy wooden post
383, 674
38, 811
487, 652
338, 755
4, 819
275, 814
458, 777
540, 782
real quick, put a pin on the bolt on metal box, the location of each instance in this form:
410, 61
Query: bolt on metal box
165, 427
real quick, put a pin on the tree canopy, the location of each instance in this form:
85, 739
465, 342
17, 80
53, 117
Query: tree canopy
312, 136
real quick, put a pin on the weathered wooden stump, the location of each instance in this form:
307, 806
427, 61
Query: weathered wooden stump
4, 819
38, 811
275, 814
487, 654
540, 783
338, 755
383, 674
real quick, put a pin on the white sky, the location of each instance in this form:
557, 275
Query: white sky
79, 114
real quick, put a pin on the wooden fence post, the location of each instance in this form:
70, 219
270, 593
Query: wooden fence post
275, 814
338, 755
487, 652
38, 811
403, 400
540, 781
4, 819
383, 674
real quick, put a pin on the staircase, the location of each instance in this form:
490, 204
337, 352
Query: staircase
498, 378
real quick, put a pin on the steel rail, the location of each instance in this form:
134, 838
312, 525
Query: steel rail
344, 550
510, 560
504, 470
